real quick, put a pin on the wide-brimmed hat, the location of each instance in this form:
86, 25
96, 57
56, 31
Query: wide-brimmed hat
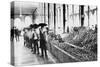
34, 26
31, 26
42, 24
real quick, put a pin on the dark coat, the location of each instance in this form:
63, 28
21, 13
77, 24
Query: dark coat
42, 40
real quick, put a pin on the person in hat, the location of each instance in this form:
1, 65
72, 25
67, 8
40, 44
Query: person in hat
28, 37
35, 39
12, 34
43, 41
25, 37
16, 31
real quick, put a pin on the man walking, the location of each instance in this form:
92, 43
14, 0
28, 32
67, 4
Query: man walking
43, 41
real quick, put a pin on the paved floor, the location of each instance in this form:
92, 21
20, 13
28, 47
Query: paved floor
23, 55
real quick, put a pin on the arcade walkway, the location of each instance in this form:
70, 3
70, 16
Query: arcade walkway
23, 55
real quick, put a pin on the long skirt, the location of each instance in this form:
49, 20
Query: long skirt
43, 44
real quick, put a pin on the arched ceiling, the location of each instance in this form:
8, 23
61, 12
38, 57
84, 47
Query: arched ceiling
26, 7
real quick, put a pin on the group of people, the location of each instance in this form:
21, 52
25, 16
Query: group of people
15, 33
35, 38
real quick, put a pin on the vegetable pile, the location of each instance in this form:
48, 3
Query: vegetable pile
82, 37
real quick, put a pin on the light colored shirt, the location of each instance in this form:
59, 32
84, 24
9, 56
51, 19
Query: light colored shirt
35, 35
29, 34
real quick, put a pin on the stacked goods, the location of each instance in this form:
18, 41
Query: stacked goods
80, 54
90, 41
82, 37
86, 38
69, 37
52, 35
76, 37
57, 37
79, 37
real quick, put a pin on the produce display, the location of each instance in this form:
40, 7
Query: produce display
86, 38
82, 37
80, 54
